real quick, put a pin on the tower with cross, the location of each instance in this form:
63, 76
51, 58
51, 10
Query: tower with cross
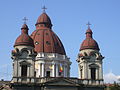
90, 60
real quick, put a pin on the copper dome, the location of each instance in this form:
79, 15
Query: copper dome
45, 40
89, 42
24, 38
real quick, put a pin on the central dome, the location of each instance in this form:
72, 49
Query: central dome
45, 40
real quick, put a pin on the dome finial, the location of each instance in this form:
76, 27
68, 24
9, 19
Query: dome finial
44, 8
88, 24
25, 20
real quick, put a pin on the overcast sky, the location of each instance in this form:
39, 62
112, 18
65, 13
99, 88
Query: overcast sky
69, 18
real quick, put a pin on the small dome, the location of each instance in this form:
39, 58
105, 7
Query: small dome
24, 26
24, 38
89, 42
44, 19
89, 31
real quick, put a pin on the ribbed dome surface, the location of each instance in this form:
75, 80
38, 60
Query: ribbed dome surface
24, 38
45, 40
89, 42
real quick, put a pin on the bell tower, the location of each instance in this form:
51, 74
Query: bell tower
23, 56
90, 60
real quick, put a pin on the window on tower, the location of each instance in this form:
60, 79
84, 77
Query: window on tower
93, 73
48, 74
24, 70
47, 42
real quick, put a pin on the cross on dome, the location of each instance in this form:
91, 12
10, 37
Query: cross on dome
44, 8
25, 20
88, 24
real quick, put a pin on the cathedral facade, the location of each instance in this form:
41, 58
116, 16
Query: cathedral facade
40, 61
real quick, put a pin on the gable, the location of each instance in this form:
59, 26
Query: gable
62, 82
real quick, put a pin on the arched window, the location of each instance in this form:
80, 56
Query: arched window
85, 54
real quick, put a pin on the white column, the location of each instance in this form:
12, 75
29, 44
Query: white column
85, 70
40, 70
89, 73
19, 71
68, 73
100, 72
16, 68
38, 73
43, 72
64, 71
87, 67
53, 70
79, 75
97, 73
56, 70
28, 71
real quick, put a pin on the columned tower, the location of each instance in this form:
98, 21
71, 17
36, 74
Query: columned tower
23, 56
90, 61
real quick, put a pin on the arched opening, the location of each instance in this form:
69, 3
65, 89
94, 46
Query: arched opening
93, 73
47, 73
24, 70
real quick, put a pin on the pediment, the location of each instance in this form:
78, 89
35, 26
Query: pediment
62, 82
24, 63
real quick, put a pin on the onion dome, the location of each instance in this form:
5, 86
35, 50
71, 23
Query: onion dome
89, 42
24, 38
45, 40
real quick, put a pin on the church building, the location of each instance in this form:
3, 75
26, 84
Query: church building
40, 61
